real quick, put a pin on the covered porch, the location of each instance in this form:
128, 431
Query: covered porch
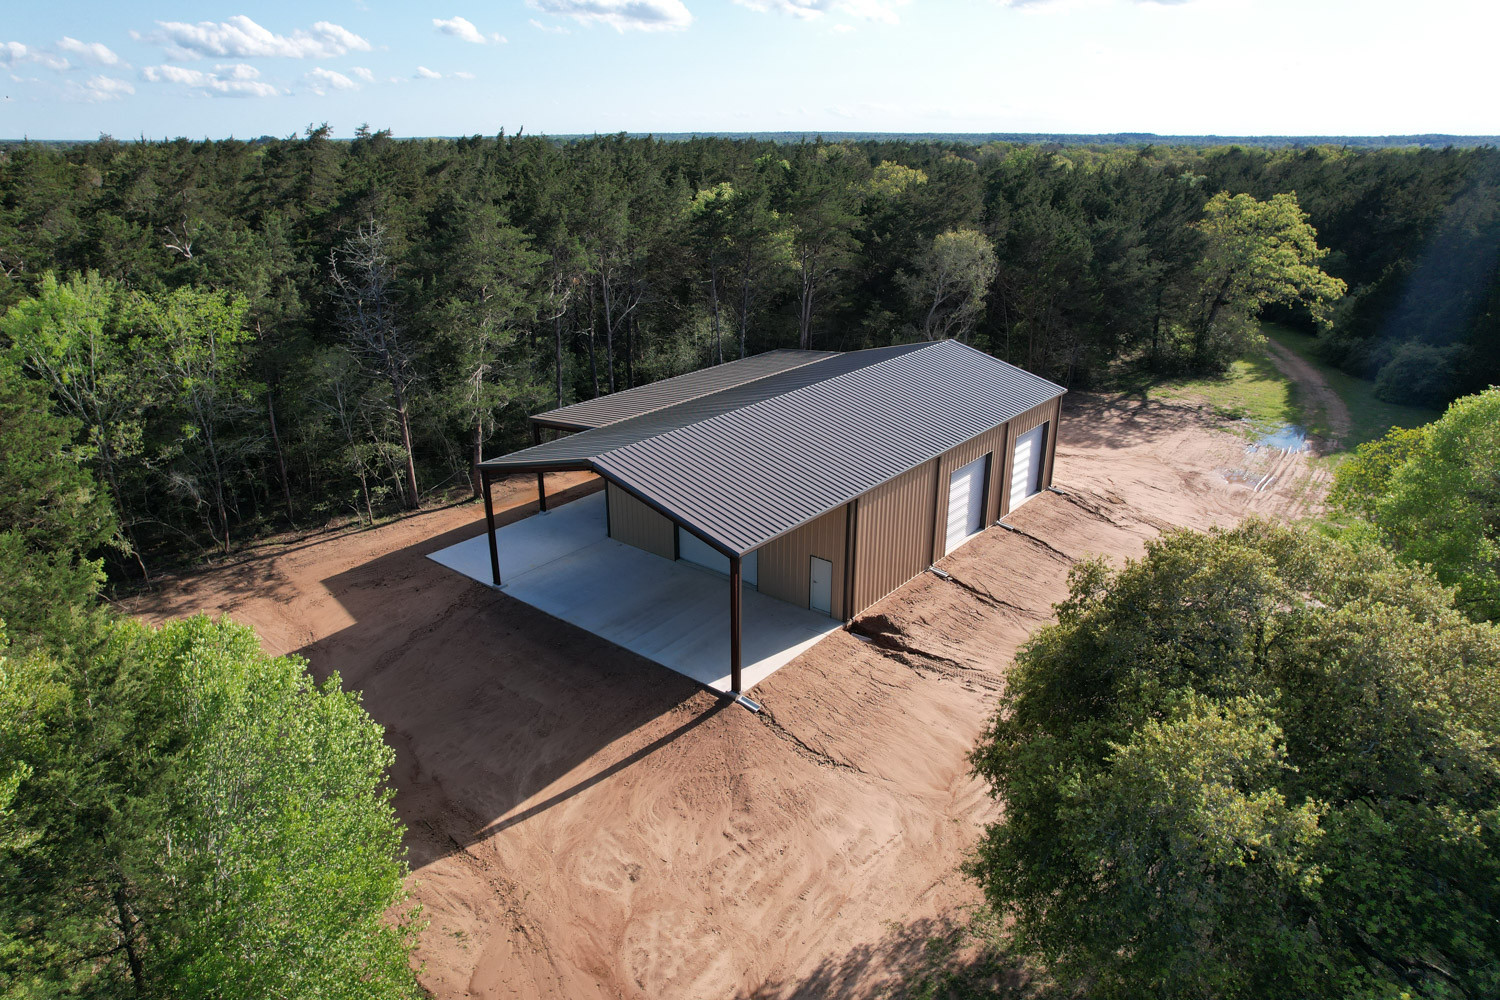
562, 561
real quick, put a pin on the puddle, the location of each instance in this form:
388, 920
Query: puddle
1287, 437
1260, 454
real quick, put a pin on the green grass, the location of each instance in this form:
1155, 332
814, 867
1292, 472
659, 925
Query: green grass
1252, 389
1370, 417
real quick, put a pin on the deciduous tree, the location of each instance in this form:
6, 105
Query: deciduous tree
1258, 762
949, 283
365, 295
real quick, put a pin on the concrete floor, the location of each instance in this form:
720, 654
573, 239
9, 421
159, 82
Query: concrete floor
674, 613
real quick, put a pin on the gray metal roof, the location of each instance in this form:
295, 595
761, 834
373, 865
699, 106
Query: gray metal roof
628, 403
754, 465
581, 448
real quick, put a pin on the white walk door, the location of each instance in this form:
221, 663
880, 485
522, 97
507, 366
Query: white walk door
691, 548
820, 586
966, 503
1026, 467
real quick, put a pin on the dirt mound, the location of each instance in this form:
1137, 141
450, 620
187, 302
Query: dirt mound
583, 823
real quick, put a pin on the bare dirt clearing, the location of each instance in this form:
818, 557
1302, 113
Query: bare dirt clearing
584, 823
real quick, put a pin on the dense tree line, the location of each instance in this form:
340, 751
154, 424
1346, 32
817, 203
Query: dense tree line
180, 814
286, 331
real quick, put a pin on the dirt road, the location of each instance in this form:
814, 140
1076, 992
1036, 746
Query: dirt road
583, 823
1316, 390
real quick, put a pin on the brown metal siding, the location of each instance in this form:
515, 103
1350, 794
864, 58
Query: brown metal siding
902, 523
991, 442
757, 471
1045, 413
893, 537
785, 563
633, 523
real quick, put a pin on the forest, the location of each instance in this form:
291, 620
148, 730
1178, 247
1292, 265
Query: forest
251, 336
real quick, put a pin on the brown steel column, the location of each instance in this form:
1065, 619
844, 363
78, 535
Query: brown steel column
489, 518
734, 624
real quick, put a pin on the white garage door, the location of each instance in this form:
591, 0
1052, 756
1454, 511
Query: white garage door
691, 548
1026, 468
966, 503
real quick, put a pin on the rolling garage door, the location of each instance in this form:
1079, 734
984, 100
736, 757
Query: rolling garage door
966, 503
1026, 468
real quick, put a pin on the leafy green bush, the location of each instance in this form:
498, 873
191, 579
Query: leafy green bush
1257, 763
182, 815
1419, 374
1433, 496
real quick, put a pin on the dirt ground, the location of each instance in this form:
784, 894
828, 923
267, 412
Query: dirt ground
1320, 394
583, 823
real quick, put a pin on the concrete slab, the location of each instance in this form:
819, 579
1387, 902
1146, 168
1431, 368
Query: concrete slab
674, 613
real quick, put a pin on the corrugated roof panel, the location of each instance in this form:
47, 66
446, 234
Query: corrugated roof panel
586, 445
750, 474
654, 396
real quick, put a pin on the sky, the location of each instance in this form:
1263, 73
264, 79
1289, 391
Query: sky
75, 70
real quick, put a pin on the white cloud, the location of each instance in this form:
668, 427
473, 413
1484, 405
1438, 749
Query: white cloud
883, 11
1029, 4
243, 38
807, 10
90, 52
622, 15
463, 74
13, 54
423, 73
98, 89
324, 80
463, 29
236, 80
551, 29
364, 74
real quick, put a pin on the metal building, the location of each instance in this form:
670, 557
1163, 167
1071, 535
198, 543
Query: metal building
823, 479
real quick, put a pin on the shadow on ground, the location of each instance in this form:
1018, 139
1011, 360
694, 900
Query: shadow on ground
1110, 422
934, 957
488, 702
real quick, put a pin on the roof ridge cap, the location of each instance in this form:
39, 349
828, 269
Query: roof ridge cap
783, 395
823, 356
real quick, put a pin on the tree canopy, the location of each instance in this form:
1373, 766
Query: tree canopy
180, 814
1433, 495
1258, 762
518, 272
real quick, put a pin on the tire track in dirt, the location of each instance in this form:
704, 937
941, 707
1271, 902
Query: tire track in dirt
1312, 382
576, 832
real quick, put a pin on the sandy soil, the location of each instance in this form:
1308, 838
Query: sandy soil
583, 823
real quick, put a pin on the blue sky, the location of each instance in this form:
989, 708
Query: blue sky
74, 70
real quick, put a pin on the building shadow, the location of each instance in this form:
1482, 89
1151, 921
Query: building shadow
487, 701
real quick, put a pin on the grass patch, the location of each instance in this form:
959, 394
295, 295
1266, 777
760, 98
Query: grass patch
1370, 417
1252, 389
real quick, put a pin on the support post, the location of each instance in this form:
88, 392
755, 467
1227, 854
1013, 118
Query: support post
541, 490
734, 624
489, 518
